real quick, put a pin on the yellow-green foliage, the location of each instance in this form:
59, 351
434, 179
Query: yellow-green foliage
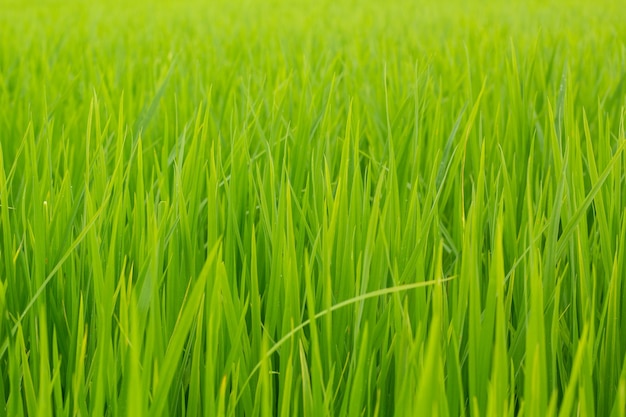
363, 208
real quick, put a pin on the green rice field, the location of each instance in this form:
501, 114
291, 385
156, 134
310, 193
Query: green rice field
312, 208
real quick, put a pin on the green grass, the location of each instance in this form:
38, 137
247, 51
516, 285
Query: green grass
312, 208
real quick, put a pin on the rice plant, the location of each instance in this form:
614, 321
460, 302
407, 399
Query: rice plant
332, 208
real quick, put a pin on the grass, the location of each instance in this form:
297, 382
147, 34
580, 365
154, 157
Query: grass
297, 208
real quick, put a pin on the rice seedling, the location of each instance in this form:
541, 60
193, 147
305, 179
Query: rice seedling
312, 208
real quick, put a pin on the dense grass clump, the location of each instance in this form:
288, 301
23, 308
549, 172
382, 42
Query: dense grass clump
312, 208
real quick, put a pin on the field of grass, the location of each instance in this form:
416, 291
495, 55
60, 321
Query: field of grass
359, 208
